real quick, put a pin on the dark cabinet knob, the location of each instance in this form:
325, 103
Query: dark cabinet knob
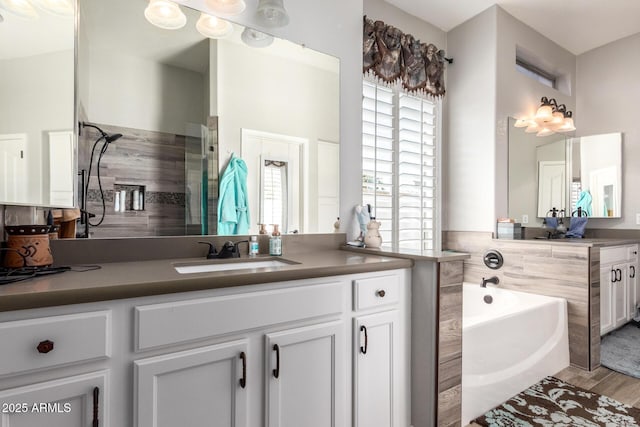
381, 293
45, 346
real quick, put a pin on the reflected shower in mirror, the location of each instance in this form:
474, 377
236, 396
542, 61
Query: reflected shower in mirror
185, 103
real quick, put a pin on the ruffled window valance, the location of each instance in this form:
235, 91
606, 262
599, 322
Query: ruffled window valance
392, 56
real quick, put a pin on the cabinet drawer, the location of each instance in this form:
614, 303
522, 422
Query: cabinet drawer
375, 291
53, 341
176, 322
613, 254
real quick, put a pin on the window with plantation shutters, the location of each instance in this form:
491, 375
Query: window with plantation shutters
399, 150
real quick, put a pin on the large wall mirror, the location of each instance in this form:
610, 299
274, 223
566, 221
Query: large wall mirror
37, 153
184, 104
563, 173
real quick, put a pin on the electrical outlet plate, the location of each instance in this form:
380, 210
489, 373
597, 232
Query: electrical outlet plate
638, 219
525, 219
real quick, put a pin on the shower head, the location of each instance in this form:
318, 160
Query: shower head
109, 138
112, 138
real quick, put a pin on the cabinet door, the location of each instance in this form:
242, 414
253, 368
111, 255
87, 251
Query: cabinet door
193, 388
376, 342
620, 307
606, 300
77, 401
306, 377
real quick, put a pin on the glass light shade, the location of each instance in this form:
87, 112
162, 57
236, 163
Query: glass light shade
55, 7
272, 13
213, 27
522, 123
165, 14
256, 38
545, 132
21, 8
533, 128
228, 7
567, 126
544, 114
556, 121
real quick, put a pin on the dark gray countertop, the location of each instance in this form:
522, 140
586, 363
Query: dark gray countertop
119, 280
416, 255
599, 242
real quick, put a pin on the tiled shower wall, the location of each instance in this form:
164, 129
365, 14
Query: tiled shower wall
154, 161
553, 269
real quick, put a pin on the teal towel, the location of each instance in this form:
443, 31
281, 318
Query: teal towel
584, 202
233, 206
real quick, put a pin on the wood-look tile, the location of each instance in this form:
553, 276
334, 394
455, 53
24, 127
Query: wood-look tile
451, 273
449, 406
450, 373
620, 387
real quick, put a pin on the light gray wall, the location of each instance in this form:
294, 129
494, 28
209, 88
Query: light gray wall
470, 122
484, 90
607, 101
132, 92
519, 96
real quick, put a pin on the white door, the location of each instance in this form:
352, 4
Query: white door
306, 379
61, 169
13, 168
376, 339
328, 186
606, 300
194, 388
77, 401
551, 186
256, 147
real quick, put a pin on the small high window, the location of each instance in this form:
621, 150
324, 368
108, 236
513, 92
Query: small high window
536, 73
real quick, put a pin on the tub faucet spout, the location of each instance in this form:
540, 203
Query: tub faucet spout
493, 280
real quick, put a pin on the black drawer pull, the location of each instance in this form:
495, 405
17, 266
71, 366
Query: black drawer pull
276, 372
363, 350
381, 293
633, 271
45, 346
243, 380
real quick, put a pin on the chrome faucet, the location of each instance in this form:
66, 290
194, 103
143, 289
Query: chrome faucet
493, 280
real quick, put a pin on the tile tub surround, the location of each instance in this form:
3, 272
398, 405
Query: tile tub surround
449, 338
559, 269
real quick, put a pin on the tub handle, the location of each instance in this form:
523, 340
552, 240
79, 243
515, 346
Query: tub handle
633, 271
363, 350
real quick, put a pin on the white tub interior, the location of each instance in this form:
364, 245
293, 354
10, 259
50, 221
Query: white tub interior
508, 345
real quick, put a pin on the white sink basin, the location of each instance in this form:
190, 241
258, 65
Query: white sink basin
231, 266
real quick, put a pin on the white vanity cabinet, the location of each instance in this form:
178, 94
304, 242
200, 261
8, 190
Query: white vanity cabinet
35, 349
619, 293
274, 355
379, 358
198, 387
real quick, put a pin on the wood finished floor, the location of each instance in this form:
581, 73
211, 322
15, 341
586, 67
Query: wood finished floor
604, 381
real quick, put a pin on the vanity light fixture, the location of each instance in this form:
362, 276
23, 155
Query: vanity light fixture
549, 119
227, 7
165, 14
272, 13
213, 27
256, 38
21, 8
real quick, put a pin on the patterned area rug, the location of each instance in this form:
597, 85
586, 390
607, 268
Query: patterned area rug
554, 403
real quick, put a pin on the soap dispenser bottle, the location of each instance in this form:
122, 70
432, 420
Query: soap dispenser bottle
275, 242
